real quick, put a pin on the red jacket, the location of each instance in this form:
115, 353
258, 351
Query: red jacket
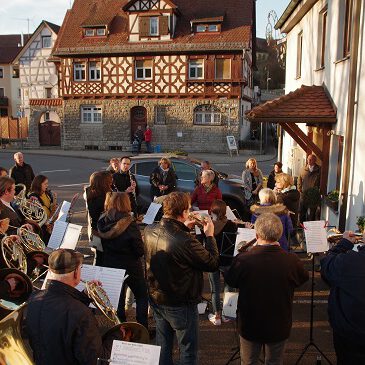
204, 199
147, 135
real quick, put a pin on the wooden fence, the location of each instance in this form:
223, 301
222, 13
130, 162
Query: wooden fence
13, 129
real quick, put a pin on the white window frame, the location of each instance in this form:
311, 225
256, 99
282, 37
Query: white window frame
100, 31
154, 32
94, 71
144, 69
44, 38
47, 116
196, 65
213, 30
1, 72
207, 115
79, 71
89, 32
91, 114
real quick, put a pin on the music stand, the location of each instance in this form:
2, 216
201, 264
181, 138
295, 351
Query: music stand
311, 342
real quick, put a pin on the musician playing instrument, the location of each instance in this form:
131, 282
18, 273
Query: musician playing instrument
126, 182
344, 270
61, 327
40, 193
7, 210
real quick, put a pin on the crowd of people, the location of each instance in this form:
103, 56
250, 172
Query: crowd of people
166, 261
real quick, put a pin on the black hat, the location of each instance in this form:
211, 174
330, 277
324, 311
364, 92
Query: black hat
64, 260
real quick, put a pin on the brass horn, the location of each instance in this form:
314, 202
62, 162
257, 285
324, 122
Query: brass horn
133, 331
23, 289
30, 209
13, 350
30, 240
12, 254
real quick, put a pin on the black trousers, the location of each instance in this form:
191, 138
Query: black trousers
348, 352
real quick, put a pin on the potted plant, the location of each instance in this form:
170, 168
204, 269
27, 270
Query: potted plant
361, 223
331, 200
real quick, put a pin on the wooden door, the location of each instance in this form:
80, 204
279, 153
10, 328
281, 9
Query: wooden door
50, 133
138, 118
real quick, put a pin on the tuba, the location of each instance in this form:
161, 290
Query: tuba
20, 294
13, 349
12, 254
31, 210
133, 331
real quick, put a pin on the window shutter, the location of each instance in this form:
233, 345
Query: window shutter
210, 68
144, 23
237, 69
164, 25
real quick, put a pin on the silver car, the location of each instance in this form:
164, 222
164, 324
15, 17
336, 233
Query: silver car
187, 171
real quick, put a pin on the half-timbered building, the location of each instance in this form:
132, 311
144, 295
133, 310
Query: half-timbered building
182, 66
39, 86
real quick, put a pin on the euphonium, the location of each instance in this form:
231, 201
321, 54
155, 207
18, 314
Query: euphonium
13, 350
12, 254
30, 209
133, 332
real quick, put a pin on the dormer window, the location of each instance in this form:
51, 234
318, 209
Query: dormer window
207, 25
213, 28
207, 28
153, 26
200, 28
89, 32
101, 31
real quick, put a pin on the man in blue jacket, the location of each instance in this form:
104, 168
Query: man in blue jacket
344, 270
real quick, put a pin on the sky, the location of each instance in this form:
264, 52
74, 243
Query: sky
14, 14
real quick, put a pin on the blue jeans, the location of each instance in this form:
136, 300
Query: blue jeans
184, 321
215, 288
148, 147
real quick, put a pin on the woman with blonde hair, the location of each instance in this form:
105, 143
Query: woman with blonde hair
268, 204
123, 249
252, 181
288, 195
162, 179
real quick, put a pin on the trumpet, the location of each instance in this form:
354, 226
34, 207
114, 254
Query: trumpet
335, 238
31, 210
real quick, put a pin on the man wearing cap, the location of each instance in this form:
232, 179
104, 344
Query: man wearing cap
61, 327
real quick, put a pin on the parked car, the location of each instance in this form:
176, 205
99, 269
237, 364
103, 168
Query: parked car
187, 171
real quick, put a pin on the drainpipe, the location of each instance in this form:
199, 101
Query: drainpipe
346, 170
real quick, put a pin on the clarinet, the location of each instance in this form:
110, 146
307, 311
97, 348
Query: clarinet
131, 179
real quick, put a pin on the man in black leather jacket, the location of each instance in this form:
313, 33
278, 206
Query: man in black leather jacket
62, 329
175, 262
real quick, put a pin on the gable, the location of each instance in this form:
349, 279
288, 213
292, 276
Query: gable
147, 5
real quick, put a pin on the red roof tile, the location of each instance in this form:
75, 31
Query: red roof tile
46, 102
9, 46
236, 28
308, 104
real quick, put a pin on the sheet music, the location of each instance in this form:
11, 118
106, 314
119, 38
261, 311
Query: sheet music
71, 236
65, 207
58, 232
316, 236
229, 214
111, 278
131, 353
243, 234
230, 304
152, 211
202, 213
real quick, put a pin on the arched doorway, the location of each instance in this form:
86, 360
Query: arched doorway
49, 129
138, 118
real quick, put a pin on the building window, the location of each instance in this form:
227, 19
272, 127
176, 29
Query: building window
322, 35
299, 54
153, 25
94, 71
347, 28
213, 28
16, 73
1, 73
206, 28
89, 32
91, 114
79, 72
47, 116
2, 92
222, 68
46, 41
196, 69
101, 31
48, 92
143, 69
200, 28
160, 114
19, 93
207, 115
